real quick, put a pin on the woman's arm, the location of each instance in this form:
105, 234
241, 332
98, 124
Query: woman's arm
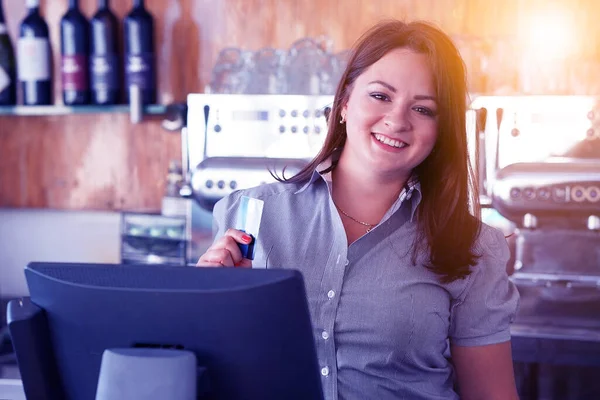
485, 372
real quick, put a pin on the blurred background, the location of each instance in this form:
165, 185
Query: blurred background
101, 161
121, 123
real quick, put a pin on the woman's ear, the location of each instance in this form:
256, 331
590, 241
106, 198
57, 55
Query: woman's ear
343, 113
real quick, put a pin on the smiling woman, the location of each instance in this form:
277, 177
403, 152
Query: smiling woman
400, 276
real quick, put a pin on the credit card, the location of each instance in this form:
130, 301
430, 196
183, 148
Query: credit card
250, 214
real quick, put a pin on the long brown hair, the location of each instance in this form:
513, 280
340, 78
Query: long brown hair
447, 228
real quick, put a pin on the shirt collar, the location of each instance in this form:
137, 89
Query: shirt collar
323, 170
411, 191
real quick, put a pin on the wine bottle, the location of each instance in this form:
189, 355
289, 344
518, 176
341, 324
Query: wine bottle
139, 52
8, 85
74, 49
34, 57
104, 59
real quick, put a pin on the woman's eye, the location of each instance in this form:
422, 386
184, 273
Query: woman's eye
425, 111
380, 96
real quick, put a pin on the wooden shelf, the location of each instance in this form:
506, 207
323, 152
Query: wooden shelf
154, 109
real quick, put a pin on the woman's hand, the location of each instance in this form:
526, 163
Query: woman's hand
225, 251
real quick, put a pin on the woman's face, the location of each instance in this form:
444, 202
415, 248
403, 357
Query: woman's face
391, 115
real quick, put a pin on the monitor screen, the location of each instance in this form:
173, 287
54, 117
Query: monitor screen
250, 328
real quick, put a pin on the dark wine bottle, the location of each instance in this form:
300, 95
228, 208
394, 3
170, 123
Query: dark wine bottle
8, 84
104, 59
74, 49
139, 52
34, 57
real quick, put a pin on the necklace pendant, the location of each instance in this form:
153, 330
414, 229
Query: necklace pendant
369, 229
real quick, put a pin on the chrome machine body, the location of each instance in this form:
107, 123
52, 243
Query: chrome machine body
237, 141
541, 172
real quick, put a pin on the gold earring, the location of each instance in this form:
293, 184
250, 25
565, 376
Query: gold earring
342, 120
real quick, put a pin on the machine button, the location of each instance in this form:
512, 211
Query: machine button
233, 185
282, 129
209, 184
294, 113
306, 114
578, 193
217, 128
282, 113
325, 335
294, 129
593, 223
515, 193
543, 193
305, 129
559, 194
318, 113
529, 193
221, 184
317, 129
330, 294
593, 194
325, 371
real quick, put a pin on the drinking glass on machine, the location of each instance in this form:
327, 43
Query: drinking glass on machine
231, 71
265, 72
303, 67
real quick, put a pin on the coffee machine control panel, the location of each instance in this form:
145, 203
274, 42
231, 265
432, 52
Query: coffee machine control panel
565, 187
263, 126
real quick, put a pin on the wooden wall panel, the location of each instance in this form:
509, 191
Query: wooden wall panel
103, 162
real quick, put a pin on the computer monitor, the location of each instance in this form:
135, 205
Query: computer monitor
250, 328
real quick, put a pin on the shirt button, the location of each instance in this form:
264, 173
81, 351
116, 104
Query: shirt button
325, 335
331, 294
325, 371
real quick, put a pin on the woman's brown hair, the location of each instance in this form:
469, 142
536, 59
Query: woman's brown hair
448, 215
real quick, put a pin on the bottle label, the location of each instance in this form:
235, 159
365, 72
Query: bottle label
139, 71
4, 79
74, 72
105, 74
33, 55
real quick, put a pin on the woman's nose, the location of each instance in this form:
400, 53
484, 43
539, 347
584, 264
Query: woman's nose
398, 119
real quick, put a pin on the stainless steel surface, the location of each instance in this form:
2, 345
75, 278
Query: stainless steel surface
529, 221
542, 173
545, 332
217, 177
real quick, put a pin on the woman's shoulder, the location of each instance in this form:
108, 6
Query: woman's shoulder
266, 190
490, 240
263, 192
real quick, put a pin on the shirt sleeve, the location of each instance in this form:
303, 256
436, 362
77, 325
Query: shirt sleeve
225, 214
483, 313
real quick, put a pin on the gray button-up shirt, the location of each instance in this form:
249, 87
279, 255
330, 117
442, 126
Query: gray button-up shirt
382, 325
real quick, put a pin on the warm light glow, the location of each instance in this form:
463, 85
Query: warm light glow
550, 34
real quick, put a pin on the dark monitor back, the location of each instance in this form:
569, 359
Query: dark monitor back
251, 328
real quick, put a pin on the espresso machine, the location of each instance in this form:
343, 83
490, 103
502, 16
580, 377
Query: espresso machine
538, 168
237, 141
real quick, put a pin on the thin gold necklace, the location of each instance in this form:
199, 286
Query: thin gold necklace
369, 226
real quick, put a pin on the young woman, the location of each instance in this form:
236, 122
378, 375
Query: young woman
407, 289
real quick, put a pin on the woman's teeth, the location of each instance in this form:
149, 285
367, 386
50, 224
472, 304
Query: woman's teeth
389, 142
